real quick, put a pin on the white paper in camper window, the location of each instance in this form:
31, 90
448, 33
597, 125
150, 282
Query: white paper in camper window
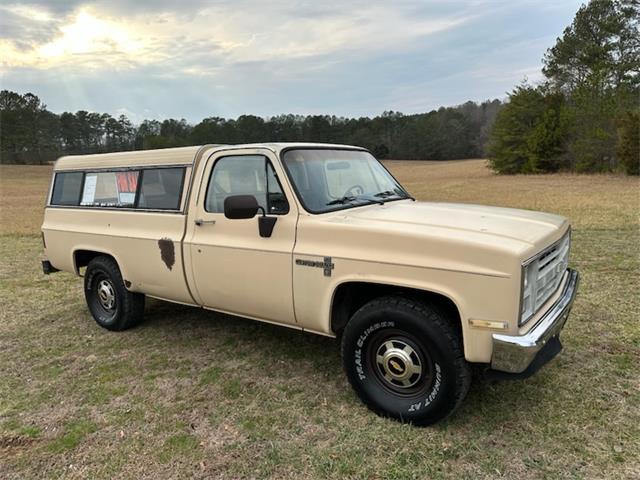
89, 192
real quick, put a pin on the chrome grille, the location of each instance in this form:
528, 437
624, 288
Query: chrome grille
541, 277
551, 266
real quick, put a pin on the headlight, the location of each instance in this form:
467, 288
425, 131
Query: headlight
528, 292
542, 275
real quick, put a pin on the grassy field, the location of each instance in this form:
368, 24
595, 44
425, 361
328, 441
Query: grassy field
194, 394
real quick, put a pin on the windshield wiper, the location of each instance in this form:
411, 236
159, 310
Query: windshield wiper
351, 199
341, 201
389, 193
386, 193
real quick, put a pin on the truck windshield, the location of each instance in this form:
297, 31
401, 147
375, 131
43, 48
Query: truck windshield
328, 180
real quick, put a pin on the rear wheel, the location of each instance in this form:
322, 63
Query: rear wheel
110, 303
404, 360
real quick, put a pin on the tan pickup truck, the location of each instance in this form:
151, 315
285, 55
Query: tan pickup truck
320, 238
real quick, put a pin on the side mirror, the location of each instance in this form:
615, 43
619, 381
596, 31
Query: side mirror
240, 206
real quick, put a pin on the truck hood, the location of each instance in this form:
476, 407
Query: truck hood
536, 229
442, 236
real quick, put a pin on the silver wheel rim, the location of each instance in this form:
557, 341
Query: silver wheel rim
398, 363
106, 295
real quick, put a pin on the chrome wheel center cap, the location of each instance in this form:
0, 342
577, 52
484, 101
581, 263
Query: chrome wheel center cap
106, 294
399, 363
396, 362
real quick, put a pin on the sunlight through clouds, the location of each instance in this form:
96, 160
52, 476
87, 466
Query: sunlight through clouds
81, 38
88, 34
247, 34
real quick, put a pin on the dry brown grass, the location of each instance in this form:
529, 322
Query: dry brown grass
590, 201
194, 394
23, 190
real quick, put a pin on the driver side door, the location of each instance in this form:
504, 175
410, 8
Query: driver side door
234, 269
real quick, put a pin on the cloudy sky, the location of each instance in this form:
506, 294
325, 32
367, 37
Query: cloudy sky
197, 58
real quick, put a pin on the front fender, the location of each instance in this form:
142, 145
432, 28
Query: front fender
476, 296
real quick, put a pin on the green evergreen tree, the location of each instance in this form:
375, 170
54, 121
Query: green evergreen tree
509, 144
629, 142
593, 74
546, 140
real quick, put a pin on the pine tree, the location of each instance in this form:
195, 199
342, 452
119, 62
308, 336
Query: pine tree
629, 142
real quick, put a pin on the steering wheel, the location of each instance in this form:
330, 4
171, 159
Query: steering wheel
354, 191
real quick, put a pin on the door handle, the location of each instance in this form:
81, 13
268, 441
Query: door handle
199, 222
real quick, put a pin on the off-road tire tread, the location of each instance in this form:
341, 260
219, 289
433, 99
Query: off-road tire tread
435, 316
132, 304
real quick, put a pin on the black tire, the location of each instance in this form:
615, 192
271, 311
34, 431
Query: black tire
110, 303
404, 359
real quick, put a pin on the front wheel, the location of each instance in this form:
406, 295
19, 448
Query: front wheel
110, 303
404, 360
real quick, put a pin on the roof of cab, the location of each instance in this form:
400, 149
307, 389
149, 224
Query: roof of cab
170, 156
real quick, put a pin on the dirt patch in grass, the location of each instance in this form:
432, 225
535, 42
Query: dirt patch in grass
14, 441
194, 394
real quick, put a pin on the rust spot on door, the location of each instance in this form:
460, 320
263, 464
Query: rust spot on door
167, 252
127, 283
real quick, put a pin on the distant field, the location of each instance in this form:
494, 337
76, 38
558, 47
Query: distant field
195, 394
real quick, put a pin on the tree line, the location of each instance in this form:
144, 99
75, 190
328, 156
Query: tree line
30, 133
585, 115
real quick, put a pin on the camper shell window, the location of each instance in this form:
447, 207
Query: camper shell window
66, 188
161, 188
110, 189
156, 188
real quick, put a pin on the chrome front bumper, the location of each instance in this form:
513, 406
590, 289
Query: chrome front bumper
515, 353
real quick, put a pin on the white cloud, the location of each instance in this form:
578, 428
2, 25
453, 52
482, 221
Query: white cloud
221, 34
196, 58
38, 14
